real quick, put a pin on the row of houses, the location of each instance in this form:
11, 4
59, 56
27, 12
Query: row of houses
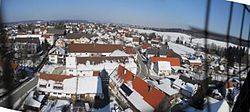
68, 86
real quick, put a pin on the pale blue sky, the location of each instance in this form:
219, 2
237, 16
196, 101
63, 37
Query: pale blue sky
155, 13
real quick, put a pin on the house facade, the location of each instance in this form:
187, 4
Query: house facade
70, 87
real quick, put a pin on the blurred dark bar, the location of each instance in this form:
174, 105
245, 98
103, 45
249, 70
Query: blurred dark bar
206, 50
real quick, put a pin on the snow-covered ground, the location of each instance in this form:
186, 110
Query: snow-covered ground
201, 42
181, 49
172, 36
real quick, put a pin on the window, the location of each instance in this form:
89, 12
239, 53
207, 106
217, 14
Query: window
42, 86
58, 87
70, 70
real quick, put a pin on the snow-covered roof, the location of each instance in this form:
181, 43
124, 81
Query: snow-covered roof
185, 86
59, 49
137, 100
85, 85
195, 61
166, 87
2, 109
217, 106
118, 53
30, 101
164, 65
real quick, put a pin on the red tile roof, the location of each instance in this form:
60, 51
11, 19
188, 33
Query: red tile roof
153, 97
173, 61
98, 48
230, 84
146, 46
14, 65
54, 77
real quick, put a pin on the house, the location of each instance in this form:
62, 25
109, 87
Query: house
84, 66
174, 61
78, 38
195, 63
165, 85
29, 36
34, 101
86, 50
145, 46
161, 52
49, 37
57, 55
140, 95
162, 68
55, 32
187, 89
136, 40
67, 86
25, 47
119, 53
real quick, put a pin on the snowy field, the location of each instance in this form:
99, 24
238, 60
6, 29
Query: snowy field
181, 49
172, 36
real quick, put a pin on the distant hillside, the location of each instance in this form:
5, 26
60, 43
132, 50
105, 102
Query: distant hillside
199, 33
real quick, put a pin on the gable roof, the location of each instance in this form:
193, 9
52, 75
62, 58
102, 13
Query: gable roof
142, 87
54, 77
104, 48
164, 65
78, 35
98, 48
27, 40
162, 51
173, 60
55, 31
97, 60
146, 46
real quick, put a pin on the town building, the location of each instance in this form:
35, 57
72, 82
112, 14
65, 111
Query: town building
140, 94
70, 87
57, 55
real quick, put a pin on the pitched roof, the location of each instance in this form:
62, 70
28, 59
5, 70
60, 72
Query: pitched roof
78, 35
54, 77
164, 65
104, 48
55, 31
153, 97
98, 48
173, 60
129, 50
97, 60
146, 46
27, 40
163, 51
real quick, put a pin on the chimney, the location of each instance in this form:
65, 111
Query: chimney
133, 77
149, 88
